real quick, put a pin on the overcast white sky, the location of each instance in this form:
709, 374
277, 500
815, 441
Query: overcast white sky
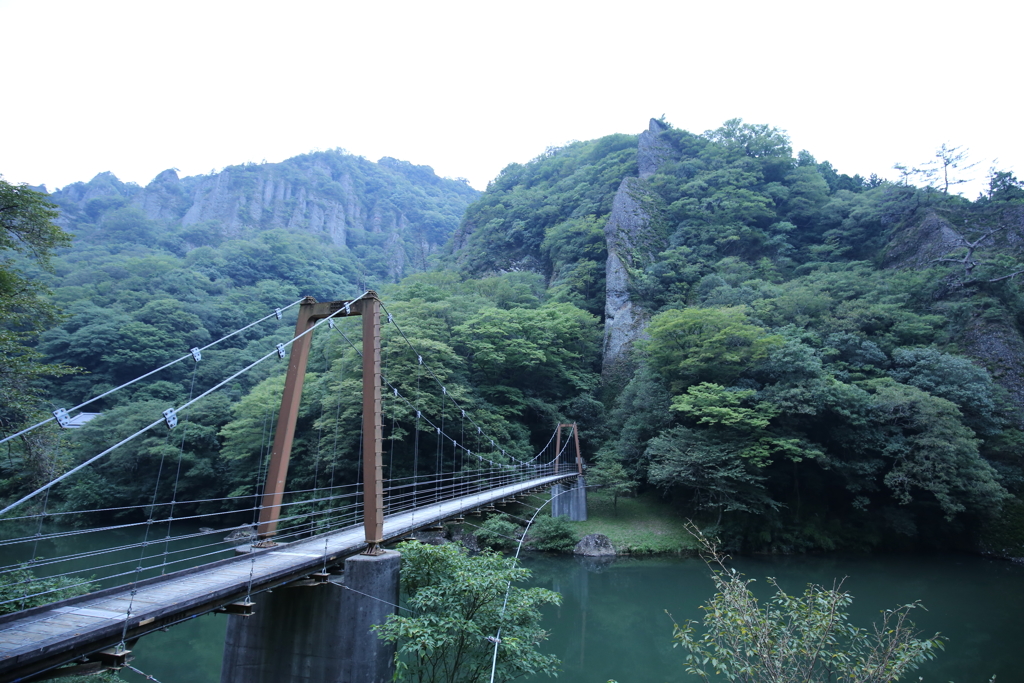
135, 87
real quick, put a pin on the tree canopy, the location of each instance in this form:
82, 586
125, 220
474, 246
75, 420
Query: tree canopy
822, 360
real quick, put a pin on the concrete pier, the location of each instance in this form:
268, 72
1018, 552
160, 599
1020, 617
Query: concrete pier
318, 634
365, 658
292, 636
570, 500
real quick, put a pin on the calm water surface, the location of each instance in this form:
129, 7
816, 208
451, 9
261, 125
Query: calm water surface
612, 622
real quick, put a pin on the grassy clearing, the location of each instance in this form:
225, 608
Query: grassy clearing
642, 525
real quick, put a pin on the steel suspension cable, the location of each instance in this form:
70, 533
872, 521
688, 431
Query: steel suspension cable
177, 473
153, 424
436, 379
444, 391
151, 372
508, 587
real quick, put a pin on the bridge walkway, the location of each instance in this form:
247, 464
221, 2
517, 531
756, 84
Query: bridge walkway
38, 639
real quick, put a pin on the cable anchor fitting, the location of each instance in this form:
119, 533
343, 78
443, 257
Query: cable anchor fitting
280, 350
197, 355
63, 419
330, 323
171, 418
277, 312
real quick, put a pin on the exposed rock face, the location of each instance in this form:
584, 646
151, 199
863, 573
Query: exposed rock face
163, 199
594, 545
652, 150
996, 344
402, 209
631, 240
919, 246
1001, 347
624, 321
261, 199
467, 539
104, 184
267, 201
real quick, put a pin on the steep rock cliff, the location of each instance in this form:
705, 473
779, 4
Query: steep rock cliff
392, 212
652, 149
631, 241
996, 342
919, 244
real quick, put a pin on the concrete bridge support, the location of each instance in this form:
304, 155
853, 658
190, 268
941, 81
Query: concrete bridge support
318, 634
570, 500
291, 636
365, 658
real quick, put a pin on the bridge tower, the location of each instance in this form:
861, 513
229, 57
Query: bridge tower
569, 500
310, 634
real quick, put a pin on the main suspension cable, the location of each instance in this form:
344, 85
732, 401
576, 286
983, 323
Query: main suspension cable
276, 313
275, 352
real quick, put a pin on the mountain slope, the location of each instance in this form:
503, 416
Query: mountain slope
391, 216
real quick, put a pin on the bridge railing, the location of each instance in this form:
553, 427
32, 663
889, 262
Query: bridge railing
112, 554
408, 492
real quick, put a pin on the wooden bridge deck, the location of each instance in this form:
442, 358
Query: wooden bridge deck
38, 639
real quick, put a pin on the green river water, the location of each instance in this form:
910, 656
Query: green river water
612, 622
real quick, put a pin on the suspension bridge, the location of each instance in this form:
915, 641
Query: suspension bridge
159, 569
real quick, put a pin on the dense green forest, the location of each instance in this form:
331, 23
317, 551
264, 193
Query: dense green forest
819, 361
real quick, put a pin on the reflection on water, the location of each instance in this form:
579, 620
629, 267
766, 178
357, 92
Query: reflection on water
612, 622
190, 652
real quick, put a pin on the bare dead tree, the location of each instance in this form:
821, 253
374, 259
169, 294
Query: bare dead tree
968, 260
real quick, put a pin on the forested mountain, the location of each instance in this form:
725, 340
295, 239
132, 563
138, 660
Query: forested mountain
193, 259
388, 217
807, 359
811, 359
155, 270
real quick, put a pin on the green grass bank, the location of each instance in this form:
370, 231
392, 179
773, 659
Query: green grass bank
643, 525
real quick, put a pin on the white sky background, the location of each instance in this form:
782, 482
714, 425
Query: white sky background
135, 87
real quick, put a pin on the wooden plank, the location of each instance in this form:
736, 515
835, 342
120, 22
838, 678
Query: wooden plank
43, 628
89, 612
